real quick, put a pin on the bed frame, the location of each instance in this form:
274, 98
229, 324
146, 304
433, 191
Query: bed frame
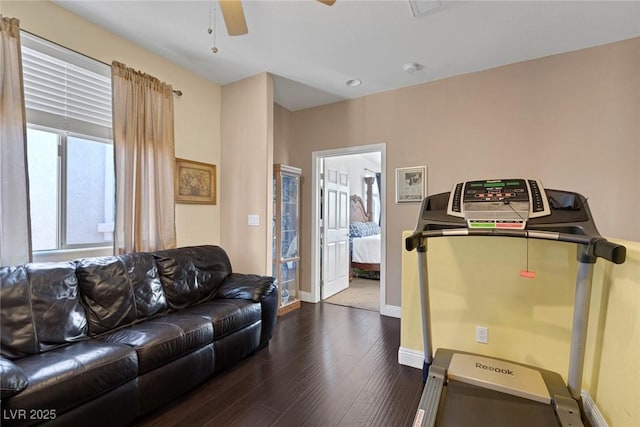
360, 214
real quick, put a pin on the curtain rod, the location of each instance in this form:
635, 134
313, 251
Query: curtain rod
175, 91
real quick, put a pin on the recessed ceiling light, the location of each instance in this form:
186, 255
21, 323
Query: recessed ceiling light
412, 67
353, 82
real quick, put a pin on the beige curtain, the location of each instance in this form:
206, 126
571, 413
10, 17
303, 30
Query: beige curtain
15, 234
144, 161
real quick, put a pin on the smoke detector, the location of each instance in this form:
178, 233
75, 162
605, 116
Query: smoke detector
412, 67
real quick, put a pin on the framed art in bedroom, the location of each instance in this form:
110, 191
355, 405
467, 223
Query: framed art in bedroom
411, 184
195, 182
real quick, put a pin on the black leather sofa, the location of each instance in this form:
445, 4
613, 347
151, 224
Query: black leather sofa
101, 341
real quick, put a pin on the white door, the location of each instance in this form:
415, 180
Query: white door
335, 238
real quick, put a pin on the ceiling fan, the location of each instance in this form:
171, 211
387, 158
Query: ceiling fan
234, 16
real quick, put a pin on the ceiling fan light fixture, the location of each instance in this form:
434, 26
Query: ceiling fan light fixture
234, 19
353, 82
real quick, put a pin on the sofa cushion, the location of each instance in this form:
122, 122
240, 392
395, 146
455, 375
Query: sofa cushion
191, 275
12, 379
119, 290
66, 377
147, 288
227, 316
17, 334
163, 339
39, 308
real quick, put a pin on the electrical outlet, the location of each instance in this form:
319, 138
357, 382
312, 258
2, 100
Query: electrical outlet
482, 334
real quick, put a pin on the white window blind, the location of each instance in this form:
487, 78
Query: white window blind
65, 90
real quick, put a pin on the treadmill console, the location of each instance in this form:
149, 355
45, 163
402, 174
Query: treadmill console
498, 203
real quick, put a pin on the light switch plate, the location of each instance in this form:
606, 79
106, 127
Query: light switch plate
254, 220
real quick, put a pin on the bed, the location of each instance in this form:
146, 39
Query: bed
364, 241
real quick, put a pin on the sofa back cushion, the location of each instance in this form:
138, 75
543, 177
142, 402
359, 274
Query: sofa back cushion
191, 275
119, 290
39, 308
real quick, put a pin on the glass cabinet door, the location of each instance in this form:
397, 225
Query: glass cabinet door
289, 219
289, 274
286, 229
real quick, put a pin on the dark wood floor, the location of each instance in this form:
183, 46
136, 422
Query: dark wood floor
327, 365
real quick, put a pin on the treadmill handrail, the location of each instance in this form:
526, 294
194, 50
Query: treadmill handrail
597, 246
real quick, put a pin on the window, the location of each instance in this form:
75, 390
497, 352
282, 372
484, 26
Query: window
69, 147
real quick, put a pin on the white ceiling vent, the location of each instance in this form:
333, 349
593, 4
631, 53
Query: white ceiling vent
424, 7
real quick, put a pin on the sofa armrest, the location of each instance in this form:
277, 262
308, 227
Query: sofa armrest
12, 379
247, 286
262, 289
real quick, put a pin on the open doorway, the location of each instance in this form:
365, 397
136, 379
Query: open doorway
365, 168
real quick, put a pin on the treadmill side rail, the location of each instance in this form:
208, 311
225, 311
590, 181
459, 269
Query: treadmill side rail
430, 400
568, 411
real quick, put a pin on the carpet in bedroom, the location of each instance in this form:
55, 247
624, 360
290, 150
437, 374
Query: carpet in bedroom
361, 293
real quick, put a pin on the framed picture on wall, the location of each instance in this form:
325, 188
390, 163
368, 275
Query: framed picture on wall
195, 182
411, 184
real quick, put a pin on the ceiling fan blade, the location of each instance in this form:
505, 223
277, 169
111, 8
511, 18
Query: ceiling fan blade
233, 17
327, 2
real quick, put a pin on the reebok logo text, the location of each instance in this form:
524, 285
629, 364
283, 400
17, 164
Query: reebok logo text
494, 369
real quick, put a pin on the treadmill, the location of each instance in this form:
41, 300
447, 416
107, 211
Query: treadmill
463, 388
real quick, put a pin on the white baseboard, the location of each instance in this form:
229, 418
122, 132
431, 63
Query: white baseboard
591, 411
306, 297
391, 311
410, 357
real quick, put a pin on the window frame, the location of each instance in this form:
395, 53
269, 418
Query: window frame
65, 127
61, 186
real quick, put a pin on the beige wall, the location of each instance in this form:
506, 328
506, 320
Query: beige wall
475, 281
246, 173
197, 112
572, 120
281, 135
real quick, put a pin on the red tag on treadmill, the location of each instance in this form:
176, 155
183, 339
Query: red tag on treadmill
528, 274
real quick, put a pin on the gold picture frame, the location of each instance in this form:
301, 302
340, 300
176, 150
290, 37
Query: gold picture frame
195, 182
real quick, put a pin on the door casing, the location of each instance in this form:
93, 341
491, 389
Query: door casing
316, 266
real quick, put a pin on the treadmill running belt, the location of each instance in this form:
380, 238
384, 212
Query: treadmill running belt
469, 405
